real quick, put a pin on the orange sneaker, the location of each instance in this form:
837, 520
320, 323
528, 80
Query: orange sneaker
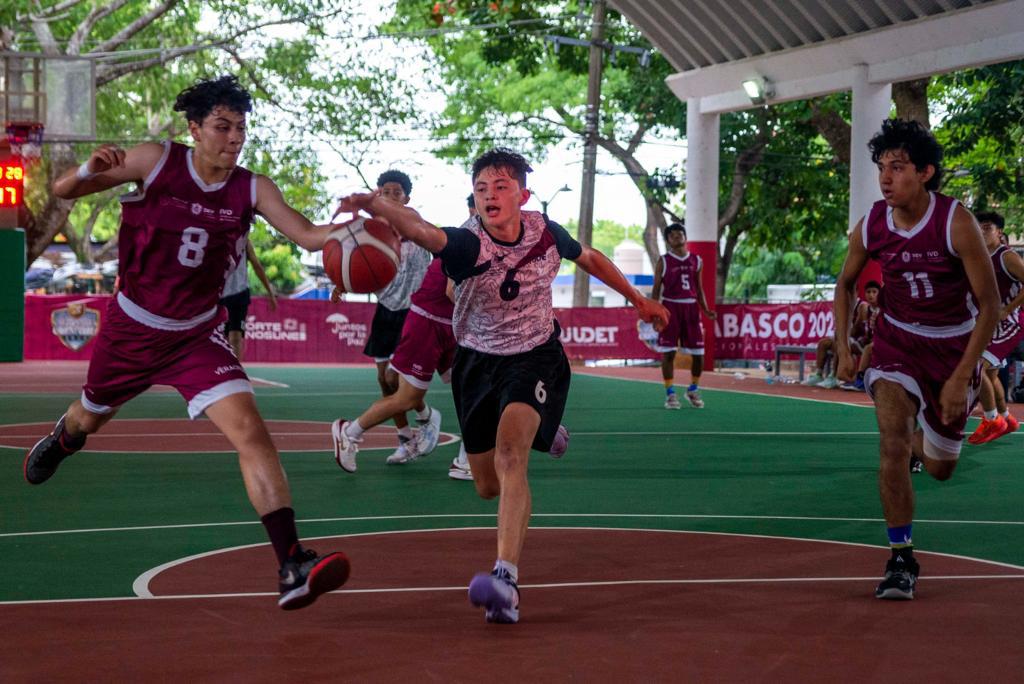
989, 430
1012, 424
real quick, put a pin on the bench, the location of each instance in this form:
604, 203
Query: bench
801, 350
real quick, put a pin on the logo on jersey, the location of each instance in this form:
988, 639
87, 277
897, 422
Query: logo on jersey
197, 208
906, 257
352, 334
75, 324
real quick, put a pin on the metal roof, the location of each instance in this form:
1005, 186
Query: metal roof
694, 34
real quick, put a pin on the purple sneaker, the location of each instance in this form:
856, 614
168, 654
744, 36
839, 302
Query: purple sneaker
560, 443
498, 594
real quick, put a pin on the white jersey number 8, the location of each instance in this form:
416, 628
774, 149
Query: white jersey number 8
193, 240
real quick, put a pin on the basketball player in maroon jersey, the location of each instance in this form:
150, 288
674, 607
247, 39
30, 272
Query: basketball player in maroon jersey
677, 285
182, 231
1009, 270
939, 308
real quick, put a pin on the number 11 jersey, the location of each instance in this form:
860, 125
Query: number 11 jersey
926, 290
180, 237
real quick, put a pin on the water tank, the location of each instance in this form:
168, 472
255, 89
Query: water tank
629, 256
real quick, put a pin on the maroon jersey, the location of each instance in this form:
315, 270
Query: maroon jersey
1009, 287
679, 278
926, 290
179, 239
431, 300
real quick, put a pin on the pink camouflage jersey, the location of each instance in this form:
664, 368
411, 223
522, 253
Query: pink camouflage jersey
503, 289
1009, 287
179, 240
679, 278
926, 291
431, 300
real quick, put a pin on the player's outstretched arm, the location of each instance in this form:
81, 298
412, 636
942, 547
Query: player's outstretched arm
403, 219
270, 203
1015, 267
597, 264
856, 258
107, 167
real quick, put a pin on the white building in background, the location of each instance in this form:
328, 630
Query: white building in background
631, 258
813, 292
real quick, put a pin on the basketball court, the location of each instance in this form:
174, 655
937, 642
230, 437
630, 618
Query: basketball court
738, 542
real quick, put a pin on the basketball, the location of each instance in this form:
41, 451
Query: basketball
362, 255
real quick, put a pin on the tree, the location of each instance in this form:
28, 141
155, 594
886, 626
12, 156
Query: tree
309, 80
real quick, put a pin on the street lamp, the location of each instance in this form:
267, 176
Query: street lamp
544, 205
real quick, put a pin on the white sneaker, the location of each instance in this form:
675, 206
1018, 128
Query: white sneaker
693, 396
459, 469
345, 448
672, 401
813, 380
829, 383
405, 453
429, 432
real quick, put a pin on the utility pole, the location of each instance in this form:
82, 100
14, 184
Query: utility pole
581, 285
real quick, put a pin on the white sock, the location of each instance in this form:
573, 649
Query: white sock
424, 415
990, 415
1006, 413
354, 430
512, 570
405, 432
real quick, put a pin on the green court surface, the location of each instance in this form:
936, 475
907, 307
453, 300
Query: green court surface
747, 463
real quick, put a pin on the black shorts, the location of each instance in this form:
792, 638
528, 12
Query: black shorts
237, 306
385, 332
484, 384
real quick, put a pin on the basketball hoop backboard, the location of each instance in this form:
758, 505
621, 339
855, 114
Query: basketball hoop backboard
58, 92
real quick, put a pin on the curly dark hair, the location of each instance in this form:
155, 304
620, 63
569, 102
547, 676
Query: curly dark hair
199, 99
503, 158
673, 226
917, 141
395, 176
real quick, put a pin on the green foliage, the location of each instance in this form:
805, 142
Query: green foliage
757, 268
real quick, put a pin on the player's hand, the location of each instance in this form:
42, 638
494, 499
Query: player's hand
845, 370
952, 401
652, 312
354, 203
105, 157
713, 315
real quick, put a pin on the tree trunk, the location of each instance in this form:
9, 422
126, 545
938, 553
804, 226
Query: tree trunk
911, 98
54, 214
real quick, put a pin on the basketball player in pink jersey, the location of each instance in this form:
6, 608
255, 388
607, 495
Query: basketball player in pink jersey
510, 377
182, 230
677, 285
939, 307
1009, 270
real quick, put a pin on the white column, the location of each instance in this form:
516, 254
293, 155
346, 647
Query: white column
702, 145
872, 103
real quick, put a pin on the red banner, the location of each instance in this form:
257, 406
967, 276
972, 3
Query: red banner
316, 331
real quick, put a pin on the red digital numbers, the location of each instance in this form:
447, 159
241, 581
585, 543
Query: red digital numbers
12, 184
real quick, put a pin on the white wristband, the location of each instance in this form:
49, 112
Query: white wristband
83, 172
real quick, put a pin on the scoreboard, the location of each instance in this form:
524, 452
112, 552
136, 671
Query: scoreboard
12, 183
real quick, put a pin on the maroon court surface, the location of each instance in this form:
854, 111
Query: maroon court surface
622, 605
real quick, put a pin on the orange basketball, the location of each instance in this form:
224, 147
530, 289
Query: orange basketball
362, 255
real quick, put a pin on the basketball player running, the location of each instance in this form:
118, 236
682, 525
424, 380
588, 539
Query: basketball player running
510, 377
939, 309
182, 231
677, 284
386, 329
1009, 270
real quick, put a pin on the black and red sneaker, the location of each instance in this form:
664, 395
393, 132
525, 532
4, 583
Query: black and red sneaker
42, 460
305, 576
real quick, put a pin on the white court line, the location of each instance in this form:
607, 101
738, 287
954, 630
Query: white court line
550, 585
272, 383
430, 516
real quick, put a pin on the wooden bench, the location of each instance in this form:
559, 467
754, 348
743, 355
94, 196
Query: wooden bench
800, 350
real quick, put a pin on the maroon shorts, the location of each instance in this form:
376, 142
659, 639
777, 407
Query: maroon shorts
921, 365
684, 329
1006, 338
130, 357
427, 345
